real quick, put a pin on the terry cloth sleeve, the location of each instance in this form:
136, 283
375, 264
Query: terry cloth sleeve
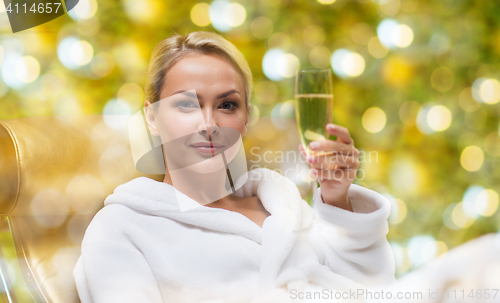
110, 268
354, 244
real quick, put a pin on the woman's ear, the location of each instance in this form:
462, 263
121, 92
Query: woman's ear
149, 113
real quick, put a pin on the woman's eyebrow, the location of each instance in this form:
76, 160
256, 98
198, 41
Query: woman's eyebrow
228, 93
190, 94
187, 93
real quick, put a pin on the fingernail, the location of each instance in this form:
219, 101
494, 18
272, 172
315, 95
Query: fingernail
331, 126
310, 159
313, 145
313, 172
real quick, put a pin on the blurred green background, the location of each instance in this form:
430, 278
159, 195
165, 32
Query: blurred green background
415, 82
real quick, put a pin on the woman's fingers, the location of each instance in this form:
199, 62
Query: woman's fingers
333, 147
338, 160
340, 164
336, 174
333, 162
340, 132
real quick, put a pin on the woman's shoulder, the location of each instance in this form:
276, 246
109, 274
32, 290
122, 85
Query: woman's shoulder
111, 218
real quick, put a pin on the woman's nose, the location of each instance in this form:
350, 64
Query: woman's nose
209, 125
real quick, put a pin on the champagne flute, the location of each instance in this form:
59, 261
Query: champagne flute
313, 105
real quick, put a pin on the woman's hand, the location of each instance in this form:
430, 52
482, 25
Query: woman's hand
337, 169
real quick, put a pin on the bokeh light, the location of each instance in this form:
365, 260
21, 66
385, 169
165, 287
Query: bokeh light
254, 115
373, 120
389, 7
218, 15
472, 158
66, 105
287, 65
313, 35
421, 250
361, 33
74, 53
52, 84
266, 92
132, 93
102, 64
432, 118
88, 27
9, 65
442, 79
12, 45
49, 208
402, 36
393, 35
84, 9
384, 32
111, 161
261, 27
492, 144
442, 248
408, 112
270, 66
200, 14
4, 89
64, 51
279, 40
376, 49
401, 259
486, 90
439, 118
347, 64
143, 11
116, 114
487, 202
27, 69
406, 176
320, 56
234, 14
84, 193
478, 201
81, 52
470, 199
283, 115
397, 71
477, 119
460, 218
466, 100
439, 43
398, 211
448, 218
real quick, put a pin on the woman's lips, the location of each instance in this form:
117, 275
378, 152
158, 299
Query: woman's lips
207, 148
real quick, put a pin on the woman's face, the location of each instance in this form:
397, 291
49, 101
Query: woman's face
201, 111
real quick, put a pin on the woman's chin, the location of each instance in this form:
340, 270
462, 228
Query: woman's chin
209, 165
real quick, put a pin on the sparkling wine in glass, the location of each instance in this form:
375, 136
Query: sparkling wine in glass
313, 105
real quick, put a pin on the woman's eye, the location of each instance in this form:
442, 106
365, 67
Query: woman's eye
186, 104
229, 105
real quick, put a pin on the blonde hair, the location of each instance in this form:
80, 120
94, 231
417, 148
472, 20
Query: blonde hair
174, 48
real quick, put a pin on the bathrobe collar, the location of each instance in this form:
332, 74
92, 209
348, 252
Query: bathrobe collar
279, 195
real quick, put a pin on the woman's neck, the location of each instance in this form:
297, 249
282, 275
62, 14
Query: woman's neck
204, 188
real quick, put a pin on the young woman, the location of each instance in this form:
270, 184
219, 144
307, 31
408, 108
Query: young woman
259, 242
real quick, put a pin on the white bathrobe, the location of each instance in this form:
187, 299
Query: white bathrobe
141, 248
